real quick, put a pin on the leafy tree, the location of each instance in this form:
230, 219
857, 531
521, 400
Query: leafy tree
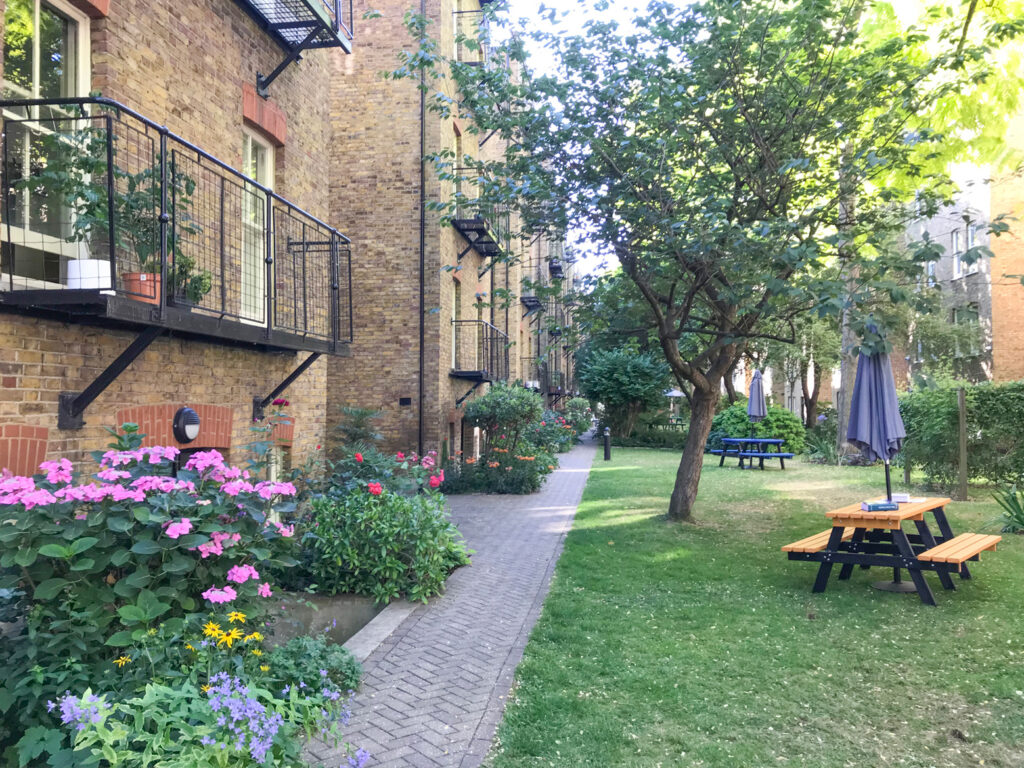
625, 382
746, 163
507, 409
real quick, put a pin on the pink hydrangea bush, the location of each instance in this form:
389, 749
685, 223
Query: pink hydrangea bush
104, 559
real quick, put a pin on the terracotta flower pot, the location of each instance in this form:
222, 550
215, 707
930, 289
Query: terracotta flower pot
143, 286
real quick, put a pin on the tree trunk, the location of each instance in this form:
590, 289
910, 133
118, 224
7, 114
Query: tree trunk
812, 399
730, 388
702, 411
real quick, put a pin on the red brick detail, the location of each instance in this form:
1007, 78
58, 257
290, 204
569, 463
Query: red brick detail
96, 9
263, 115
284, 431
156, 423
22, 448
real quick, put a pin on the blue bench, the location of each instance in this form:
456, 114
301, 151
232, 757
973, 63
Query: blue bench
762, 455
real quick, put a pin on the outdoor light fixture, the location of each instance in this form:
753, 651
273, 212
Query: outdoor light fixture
186, 425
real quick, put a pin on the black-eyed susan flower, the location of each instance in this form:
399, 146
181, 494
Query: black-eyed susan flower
122, 660
211, 629
236, 616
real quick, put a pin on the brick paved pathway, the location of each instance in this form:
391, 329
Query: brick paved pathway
433, 692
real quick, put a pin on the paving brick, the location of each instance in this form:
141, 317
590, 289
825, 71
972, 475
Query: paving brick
433, 694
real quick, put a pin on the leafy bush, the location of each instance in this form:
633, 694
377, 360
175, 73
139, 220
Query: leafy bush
821, 442
505, 412
553, 433
383, 544
500, 471
995, 433
302, 658
106, 561
405, 473
780, 423
625, 382
664, 436
579, 414
357, 428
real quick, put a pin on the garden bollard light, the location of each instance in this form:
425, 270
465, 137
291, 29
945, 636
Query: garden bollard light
607, 444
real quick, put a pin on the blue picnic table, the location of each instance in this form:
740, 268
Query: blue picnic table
749, 448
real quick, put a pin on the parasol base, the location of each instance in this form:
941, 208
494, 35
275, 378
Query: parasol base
894, 586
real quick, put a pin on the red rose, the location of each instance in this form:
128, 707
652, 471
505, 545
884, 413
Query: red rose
359, 458
375, 488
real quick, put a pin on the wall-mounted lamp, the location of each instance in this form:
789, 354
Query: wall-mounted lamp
186, 425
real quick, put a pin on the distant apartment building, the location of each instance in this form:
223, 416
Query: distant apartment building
174, 243
439, 306
987, 293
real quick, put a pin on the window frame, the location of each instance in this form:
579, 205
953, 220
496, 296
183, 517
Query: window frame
254, 291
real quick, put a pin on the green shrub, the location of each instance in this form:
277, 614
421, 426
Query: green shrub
995, 433
505, 412
665, 436
821, 443
781, 423
553, 433
626, 383
579, 414
500, 471
302, 658
379, 543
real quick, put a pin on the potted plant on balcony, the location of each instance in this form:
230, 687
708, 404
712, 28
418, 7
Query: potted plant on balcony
70, 167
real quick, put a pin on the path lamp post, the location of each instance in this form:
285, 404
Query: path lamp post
607, 444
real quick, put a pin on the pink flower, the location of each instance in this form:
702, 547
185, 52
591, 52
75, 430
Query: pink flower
57, 471
400, 456
37, 498
200, 461
268, 490
113, 475
280, 401
264, 590
359, 458
215, 595
287, 531
441, 475
236, 487
427, 462
242, 573
435, 481
543, 424
375, 488
174, 530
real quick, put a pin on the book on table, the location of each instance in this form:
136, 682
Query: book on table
879, 506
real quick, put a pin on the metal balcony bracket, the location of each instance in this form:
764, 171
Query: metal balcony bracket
71, 405
263, 82
465, 397
259, 404
466, 250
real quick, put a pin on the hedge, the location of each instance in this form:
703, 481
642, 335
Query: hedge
995, 433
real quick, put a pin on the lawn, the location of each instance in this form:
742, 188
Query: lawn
701, 645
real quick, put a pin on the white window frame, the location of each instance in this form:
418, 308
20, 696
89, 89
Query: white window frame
253, 286
930, 274
958, 264
82, 85
972, 241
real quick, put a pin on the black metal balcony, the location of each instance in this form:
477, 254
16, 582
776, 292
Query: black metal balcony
556, 269
470, 26
110, 219
479, 351
530, 372
299, 25
483, 225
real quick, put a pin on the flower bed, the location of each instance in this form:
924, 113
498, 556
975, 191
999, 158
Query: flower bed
111, 578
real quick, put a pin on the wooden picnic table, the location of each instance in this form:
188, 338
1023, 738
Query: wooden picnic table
864, 538
738, 446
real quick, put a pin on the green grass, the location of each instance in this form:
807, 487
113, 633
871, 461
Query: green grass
702, 645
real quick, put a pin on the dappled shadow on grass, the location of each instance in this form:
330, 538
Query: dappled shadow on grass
702, 644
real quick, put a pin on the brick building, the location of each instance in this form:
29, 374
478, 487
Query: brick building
988, 292
181, 251
435, 326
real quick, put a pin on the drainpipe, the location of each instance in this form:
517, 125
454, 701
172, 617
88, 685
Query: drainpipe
423, 251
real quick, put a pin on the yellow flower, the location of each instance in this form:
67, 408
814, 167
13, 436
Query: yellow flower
228, 638
204, 688
257, 652
122, 660
236, 616
189, 646
264, 668
211, 629
253, 636
151, 632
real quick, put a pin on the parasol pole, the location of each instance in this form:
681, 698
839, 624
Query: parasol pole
888, 482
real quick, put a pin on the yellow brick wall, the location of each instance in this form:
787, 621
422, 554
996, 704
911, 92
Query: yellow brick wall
183, 64
1007, 267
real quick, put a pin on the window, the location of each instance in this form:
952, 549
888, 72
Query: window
968, 315
456, 317
46, 56
958, 264
972, 241
257, 164
930, 274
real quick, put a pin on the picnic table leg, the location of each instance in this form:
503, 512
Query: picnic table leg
721, 463
760, 460
782, 462
929, 541
847, 570
834, 540
903, 544
947, 534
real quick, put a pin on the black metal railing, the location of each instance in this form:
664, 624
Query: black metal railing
479, 350
529, 371
328, 21
97, 198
